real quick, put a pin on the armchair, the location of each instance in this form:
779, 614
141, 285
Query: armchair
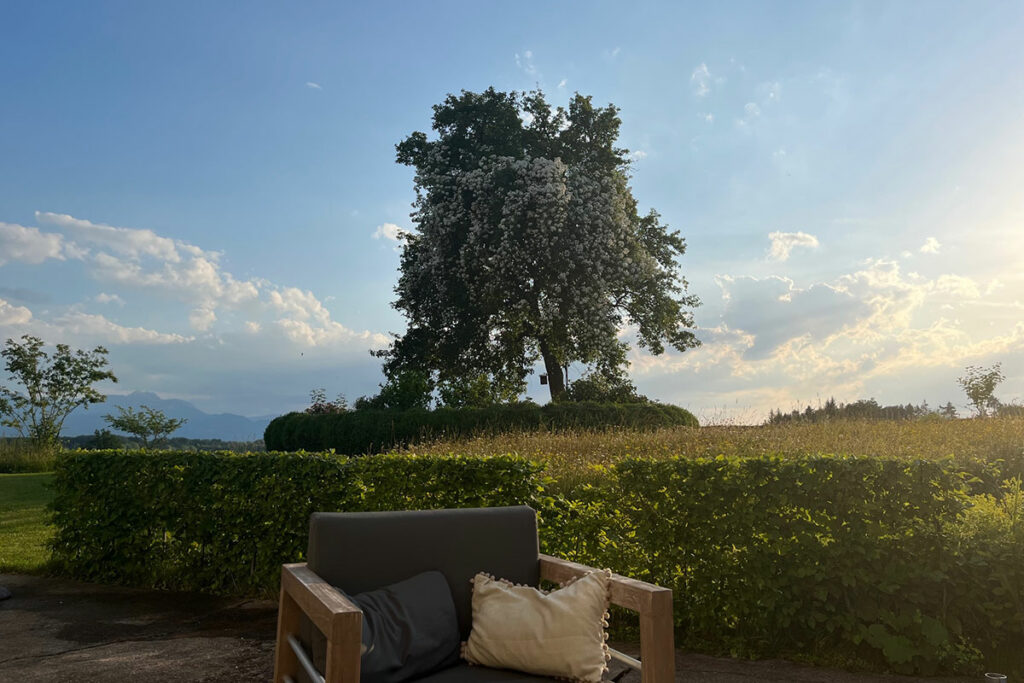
319, 628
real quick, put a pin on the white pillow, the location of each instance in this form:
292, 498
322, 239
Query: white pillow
561, 633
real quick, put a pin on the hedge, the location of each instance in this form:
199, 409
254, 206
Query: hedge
373, 431
224, 523
878, 562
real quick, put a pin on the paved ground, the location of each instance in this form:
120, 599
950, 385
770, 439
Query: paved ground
55, 630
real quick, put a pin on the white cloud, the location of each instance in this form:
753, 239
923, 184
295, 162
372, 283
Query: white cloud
700, 80
313, 86
930, 246
638, 155
102, 330
202, 319
708, 117
525, 62
29, 245
783, 244
562, 83
13, 315
129, 242
615, 52
104, 298
388, 231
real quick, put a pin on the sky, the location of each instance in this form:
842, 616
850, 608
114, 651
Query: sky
209, 190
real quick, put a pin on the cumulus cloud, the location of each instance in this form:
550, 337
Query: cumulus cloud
104, 298
202, 318
930, 246
562, 83
388, 231
130, 242
28, 245
783, 244
313, 86
700, 80
13, 315
638, 155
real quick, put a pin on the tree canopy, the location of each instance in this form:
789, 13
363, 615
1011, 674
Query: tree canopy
149, 425
52, 386
529, 245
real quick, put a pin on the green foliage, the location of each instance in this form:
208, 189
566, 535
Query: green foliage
224, 523
864, 409
885, 562
104, 440
980, 384
148, 425
52, 386
403, 390
318, 403
372, 431
23, 455
478, 391
529, 244
603, 388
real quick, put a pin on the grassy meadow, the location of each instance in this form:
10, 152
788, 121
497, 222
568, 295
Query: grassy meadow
24, 529
570, 454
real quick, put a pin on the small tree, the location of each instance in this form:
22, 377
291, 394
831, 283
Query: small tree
604, 388
948, 411
403, 390
149, 425
319, 405
476, 392
980, 384
53, 387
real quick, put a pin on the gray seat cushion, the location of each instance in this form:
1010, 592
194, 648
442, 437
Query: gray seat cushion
464, 673
363, 551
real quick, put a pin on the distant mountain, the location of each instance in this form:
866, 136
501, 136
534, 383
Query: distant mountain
200, 425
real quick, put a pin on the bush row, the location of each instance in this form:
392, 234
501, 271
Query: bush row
877, 562
224, 523
373, 431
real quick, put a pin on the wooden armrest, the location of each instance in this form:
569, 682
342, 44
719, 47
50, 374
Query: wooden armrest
626, 592
333, 614
653, 603
319, 600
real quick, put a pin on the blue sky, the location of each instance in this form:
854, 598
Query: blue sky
207, 188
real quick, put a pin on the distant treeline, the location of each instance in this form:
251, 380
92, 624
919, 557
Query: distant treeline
103, 440
869, 409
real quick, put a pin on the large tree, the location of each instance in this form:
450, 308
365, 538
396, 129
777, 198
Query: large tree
529, 244
52, 386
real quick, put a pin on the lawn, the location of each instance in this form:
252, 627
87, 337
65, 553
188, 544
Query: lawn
24, 529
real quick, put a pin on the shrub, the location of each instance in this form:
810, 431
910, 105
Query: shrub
224, 523
373, 431
878, 561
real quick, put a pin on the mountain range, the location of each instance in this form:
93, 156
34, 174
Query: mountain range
200, 425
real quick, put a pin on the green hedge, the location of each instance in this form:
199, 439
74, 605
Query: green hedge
224, 523
877, 562
373, 431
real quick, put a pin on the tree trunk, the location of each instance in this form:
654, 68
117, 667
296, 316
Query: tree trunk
556, 376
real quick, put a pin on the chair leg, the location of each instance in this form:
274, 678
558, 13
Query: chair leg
344, 648
285, 661
657, 646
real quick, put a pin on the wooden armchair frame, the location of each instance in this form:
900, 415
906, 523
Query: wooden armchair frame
341, 622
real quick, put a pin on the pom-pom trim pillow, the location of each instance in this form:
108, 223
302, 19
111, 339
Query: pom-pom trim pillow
558, 634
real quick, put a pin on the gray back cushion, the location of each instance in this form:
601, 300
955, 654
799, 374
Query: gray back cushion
362, 551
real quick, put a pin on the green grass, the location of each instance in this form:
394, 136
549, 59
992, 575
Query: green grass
24, 523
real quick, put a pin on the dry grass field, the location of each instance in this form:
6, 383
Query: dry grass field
569, 453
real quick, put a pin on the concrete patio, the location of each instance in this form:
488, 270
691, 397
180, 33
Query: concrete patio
56, 630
